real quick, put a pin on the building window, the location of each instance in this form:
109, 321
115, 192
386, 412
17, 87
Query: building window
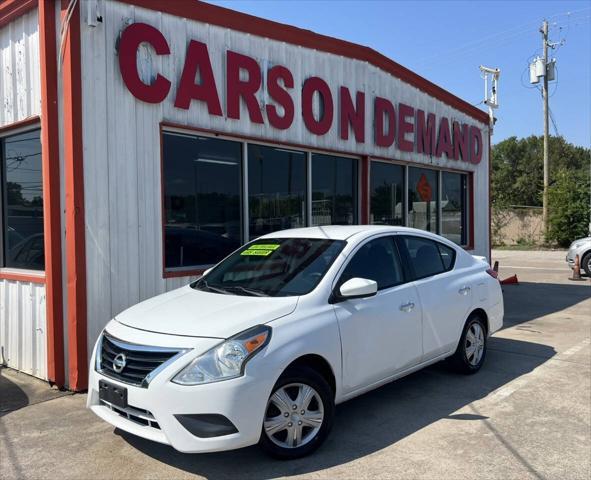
387, 194
334, 190
454, 192
22, 201
422, 199
202, 199
276, 189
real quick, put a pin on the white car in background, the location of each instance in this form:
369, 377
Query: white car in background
267, 342
582, 248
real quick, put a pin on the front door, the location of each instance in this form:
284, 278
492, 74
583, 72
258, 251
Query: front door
380, 335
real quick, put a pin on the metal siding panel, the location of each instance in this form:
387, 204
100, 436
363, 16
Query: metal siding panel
20, 84
22, 327
122, 144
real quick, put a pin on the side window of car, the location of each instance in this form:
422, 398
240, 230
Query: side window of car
377, 260
428, 257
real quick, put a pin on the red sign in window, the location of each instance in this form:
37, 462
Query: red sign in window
424, 189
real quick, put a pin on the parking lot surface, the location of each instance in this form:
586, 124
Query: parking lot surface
526, 414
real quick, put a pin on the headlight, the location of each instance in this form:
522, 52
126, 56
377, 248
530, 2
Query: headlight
226, 360
576, 245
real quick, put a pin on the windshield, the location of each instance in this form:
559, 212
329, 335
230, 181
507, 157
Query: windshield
273, 267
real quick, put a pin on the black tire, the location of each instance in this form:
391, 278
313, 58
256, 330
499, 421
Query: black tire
306, 376
459, 360
586, 263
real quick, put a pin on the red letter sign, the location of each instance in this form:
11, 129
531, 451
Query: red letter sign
461, 141
444, 140
352, 115
381, 107
318, 127
131, 38
475, 145
206, 91
245, 89
405, 127
281, 96
425, 133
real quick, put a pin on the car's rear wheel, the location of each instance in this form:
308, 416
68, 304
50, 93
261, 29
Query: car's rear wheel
299, 414
471, 351
586, 263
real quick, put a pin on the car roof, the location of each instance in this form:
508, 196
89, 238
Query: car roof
344, 232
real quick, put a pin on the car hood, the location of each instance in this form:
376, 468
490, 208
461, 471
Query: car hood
194, 313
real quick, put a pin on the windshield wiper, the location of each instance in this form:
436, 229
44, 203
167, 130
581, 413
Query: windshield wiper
210, 288
249, 291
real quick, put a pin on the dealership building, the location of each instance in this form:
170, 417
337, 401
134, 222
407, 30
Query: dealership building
141, 141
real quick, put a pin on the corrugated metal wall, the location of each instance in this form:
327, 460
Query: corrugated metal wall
122, 145
20, 84
23, 342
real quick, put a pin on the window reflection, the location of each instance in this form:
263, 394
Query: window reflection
422, 199
202, 190
23, 190
387, 194
453, 207
334, 190
276, 189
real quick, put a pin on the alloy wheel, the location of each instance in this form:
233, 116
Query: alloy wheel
294, 415
474, 343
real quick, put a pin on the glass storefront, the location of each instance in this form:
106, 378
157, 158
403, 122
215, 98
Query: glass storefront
387, 194
334, 190
207, 216
453, 207
276, 189
202, 199
423, 193
22, 190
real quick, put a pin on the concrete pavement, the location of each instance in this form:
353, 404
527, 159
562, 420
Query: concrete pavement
527, 414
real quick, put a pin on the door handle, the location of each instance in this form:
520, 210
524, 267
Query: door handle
464, 290
407, 307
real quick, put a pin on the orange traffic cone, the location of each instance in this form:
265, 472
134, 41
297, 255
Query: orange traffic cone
577, 271
512, 280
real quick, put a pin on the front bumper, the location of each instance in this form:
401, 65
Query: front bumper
151, 412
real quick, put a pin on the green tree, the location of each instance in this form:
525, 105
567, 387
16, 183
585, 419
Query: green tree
517, 166
570, 211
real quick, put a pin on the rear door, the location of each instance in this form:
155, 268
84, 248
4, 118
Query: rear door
380, 335
445, 295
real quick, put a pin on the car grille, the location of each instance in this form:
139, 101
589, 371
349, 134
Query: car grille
142, 363
137, 415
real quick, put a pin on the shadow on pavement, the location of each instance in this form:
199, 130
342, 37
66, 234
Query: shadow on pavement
12, 397
375, 420
528, 300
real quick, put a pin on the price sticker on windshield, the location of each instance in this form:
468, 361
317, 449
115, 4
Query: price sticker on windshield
260, 250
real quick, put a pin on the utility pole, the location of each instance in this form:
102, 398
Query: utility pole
544, 31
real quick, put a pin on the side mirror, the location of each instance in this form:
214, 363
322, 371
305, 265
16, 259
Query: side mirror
357, 288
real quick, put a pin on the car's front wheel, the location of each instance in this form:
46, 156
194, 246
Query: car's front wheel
471, 351
299, 414
586, 263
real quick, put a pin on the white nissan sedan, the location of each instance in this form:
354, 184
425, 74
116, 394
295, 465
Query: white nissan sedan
264, 345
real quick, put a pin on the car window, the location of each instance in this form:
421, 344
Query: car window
448, 256
428, 257
377, 260
274, 267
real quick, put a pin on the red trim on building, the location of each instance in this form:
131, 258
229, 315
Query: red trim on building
19, 276
74, 186
27, 122
470, 245
51, 193
12, 9
364, 192
224, 17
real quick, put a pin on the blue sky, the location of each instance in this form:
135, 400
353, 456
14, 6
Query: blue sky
446, 41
